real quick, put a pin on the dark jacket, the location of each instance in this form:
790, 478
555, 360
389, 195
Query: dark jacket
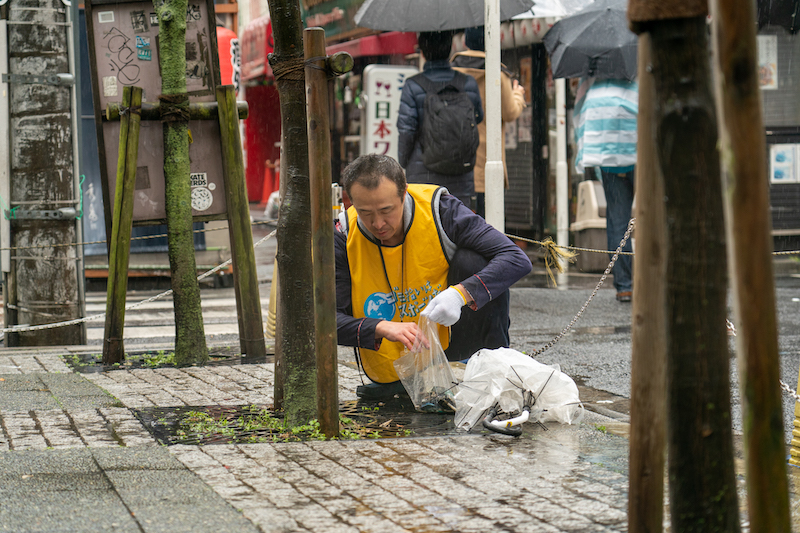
409, 120
507, 264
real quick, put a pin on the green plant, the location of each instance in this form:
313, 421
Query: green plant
601, 429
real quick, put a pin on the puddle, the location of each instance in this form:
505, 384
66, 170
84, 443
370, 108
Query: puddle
218, 355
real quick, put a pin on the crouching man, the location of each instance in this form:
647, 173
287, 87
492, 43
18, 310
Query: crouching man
408, 250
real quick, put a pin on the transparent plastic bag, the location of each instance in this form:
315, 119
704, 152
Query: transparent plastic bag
426, 373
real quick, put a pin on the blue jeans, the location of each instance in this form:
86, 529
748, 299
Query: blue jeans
619, 199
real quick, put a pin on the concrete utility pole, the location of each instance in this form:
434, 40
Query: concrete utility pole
43, 284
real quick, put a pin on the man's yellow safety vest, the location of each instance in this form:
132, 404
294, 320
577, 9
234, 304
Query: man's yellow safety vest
397, 282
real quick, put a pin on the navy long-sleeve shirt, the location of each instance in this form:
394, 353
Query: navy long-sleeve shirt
507, 264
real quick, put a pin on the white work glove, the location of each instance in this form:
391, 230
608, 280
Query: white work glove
445, 308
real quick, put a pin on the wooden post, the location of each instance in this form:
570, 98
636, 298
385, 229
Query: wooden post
701, 470
251, 331
319, 168
122, 224
197, 111
649, 331
295, 343
746, 187
190, 339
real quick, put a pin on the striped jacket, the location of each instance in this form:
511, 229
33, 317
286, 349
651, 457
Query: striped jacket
605, 124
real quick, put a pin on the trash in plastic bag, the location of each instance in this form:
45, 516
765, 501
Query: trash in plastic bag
505, 388
426, 373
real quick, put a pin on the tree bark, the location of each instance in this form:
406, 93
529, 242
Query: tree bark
295, 358
190, 340
701, 471
746, 185
649, 324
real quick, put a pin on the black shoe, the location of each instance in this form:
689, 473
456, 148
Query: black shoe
380, 391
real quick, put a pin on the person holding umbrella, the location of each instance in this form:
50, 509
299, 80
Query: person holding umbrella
512, 102
405, 251
414, 144
605, 131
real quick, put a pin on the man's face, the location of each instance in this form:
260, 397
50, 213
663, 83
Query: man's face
381, 210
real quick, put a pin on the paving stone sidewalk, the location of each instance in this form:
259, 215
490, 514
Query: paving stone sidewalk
73, 457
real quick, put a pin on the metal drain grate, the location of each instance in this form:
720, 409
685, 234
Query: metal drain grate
246, 424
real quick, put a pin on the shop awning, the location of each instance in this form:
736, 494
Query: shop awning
388, 43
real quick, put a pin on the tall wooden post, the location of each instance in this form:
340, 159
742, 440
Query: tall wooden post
251, 332
121, 226
746, 187
702, 484
319, 166
649, 324
295, 359
190, 340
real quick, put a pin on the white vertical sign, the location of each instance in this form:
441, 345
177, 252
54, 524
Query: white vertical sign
382, 87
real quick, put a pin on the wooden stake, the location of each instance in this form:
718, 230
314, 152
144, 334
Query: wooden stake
122, 225
319, 168
649, 333
251, 332
746, 186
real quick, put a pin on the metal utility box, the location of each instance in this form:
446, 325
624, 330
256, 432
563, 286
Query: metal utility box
590, 226
123, 49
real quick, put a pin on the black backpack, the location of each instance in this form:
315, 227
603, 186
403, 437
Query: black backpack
449, 132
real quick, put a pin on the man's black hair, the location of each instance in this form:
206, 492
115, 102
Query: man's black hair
367, 170
435, 45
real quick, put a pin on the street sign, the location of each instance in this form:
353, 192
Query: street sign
380, 100
123, 50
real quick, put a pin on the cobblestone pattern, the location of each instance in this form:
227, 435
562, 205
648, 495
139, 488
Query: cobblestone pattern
434, 485
198, 386
39, 430
30, 364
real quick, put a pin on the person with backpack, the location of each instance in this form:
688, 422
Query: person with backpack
410, 250
437, 125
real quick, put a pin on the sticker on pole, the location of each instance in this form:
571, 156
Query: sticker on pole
201, 199
199, 179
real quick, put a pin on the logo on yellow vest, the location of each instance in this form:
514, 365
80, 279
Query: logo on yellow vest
380, 305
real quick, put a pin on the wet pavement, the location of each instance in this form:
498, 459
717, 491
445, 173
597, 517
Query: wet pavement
76, 457
81, 451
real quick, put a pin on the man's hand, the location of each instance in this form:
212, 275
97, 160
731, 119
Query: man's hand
445, 308
405, 332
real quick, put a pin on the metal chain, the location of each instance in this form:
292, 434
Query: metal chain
53, 325
616, 255
139, 238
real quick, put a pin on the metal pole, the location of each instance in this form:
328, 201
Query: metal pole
562, 173
5, 172
73, 53
495, 182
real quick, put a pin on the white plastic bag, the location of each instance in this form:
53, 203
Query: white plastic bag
502, 376
426, 374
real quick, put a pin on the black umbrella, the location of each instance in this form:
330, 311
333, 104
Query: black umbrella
594, 42
431, 15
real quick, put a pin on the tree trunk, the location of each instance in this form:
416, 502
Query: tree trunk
295, 343
649, 333
750, 246
701, 471
190, 340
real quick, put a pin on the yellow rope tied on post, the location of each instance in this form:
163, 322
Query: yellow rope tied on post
555, 255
